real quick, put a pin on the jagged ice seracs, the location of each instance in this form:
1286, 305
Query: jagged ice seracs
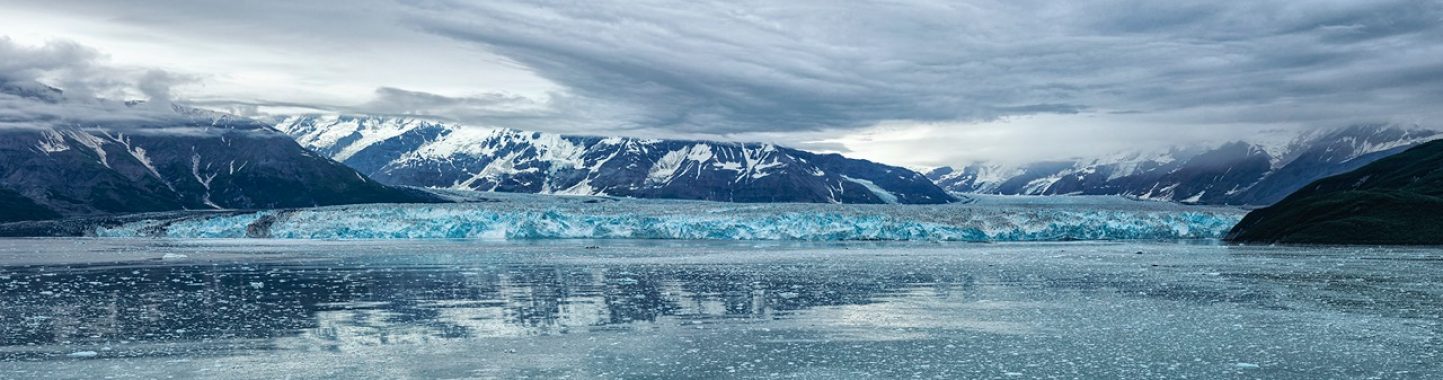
516, 217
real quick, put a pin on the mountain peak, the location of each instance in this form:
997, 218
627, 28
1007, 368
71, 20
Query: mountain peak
429, 153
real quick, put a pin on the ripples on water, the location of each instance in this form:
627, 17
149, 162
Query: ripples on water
447, 310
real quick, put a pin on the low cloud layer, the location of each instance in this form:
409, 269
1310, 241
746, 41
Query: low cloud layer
835, 76
94, 93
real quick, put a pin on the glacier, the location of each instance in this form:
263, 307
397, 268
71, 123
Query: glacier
526, 217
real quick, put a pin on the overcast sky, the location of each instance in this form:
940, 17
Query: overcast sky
906, 82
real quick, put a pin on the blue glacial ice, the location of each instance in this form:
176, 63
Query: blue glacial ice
513, 217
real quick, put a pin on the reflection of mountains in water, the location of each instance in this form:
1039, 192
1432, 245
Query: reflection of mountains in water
347, 305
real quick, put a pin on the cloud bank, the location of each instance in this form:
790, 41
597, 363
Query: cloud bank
94, 93
728, 66
984, 77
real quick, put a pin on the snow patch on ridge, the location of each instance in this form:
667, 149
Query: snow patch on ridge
94, 143
52, 142
665, 168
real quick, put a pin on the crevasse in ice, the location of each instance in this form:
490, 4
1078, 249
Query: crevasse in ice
520, 217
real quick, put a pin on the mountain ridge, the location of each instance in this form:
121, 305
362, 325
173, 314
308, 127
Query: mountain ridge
132, 157
428, 153
1233, 173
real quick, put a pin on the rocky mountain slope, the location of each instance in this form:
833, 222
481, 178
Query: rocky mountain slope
1394, 200
65, 157
1238, 173
418, 152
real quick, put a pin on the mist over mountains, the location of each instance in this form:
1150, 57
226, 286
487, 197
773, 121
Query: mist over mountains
1241, 172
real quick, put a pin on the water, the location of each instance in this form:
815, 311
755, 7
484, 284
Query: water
96, 308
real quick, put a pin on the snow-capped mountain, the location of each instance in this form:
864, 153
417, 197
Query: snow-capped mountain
1239, 173
420, 152
123, 161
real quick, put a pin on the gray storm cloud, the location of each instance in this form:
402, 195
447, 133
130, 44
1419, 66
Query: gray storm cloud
728, 66
804, 71
79, 76
18, 63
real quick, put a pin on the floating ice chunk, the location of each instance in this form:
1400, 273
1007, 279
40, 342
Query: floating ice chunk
83, 354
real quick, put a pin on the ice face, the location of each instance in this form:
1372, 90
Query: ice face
540, 217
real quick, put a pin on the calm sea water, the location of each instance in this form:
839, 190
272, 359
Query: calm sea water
88, 308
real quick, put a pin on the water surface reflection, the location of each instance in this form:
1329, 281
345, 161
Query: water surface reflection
651, 310
357, 302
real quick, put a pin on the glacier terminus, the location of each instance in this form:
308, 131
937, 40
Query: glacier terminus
531, 217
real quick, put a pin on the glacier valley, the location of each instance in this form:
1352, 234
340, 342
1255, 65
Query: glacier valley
494, 216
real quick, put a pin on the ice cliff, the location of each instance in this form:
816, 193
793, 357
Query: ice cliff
539, 217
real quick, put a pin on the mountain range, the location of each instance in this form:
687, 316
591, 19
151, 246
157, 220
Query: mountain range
63, 157
1234, 173
144, 158
427, 153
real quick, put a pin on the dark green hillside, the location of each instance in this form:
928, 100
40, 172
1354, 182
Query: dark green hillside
15, 207
1395, 200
